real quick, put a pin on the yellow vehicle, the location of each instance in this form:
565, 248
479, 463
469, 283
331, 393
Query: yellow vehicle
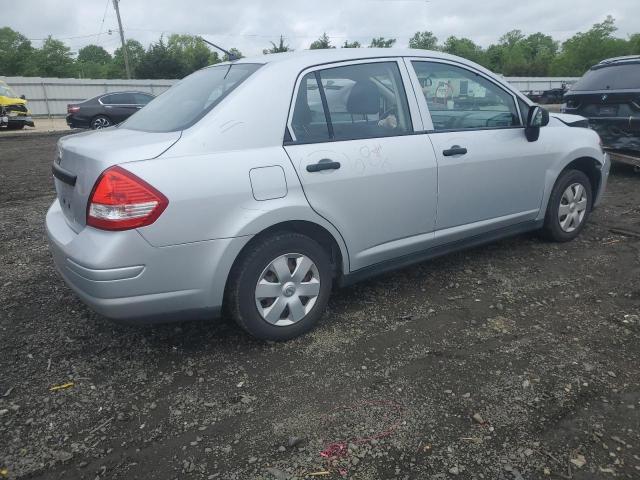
14, 114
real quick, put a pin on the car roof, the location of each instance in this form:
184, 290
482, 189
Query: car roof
617, 60
125, 91
307, 58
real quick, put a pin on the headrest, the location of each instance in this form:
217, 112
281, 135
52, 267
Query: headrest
363, 98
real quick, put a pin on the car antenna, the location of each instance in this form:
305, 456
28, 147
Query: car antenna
231, 56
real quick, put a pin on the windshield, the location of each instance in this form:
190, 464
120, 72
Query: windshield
190, 99
5, 91
612, 77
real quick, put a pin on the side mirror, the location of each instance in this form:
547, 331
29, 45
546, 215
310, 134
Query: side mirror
538, 117
23, 97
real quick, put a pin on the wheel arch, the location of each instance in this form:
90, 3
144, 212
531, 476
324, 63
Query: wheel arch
592, 169
335, 249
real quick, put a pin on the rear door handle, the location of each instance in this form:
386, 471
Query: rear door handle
455, 150
324, 164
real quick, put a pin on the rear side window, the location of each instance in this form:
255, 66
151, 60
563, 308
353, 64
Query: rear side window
613, 77
351, 102
309, 122
118, 99
190, 99
141, 98
460, 99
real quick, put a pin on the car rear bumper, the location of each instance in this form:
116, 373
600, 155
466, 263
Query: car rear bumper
19, 120
121, 276
75, 122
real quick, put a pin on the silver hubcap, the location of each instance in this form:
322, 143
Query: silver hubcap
99, 123
287, 289
573, 206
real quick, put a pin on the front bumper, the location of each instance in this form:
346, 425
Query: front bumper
604, 178
121, 276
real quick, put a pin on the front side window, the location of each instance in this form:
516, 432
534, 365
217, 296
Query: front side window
362, 101
190, 99
459, 99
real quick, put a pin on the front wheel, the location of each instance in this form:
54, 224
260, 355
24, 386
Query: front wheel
280, 286
569, 206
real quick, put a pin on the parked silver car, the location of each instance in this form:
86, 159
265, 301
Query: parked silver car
257, 185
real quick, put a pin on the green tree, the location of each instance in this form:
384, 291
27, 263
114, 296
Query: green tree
15, 51
634, 44
322, 42
584, 50
93, 61
53, 59
348, 44
465, 48
136, 54
281, 47
381, 42
191, 51
159, 62
540, 52
424, 40
235, 52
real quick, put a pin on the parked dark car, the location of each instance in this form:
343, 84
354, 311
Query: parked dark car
106, 109
609, 97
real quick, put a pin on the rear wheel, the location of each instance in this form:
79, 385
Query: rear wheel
101, 121
280, 287
569, 206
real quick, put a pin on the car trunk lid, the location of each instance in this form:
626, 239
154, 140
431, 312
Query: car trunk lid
83, 157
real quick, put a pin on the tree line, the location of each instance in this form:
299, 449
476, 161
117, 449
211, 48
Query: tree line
515, 54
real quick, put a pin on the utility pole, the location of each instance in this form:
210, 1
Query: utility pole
124, 45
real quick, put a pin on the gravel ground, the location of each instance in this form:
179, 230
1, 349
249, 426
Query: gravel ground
517, 360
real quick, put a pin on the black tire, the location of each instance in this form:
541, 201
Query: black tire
552, 229
100, 121
240, 301
15, 126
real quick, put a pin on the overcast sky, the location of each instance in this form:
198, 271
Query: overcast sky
250, 25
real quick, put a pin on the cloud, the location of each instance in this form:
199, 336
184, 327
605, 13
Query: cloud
250, 25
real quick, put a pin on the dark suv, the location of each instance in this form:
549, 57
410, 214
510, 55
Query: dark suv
106, 109
609, 96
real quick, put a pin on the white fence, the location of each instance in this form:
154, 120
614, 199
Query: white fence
50, 96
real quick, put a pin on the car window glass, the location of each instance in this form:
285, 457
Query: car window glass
460, 99
613, 77
309, 123
141, 98
366, 100
191, 98
524, 110
118, 99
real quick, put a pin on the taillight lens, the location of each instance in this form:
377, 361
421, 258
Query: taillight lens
73, 109
121, 201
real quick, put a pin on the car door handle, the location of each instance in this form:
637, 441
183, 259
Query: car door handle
455, 150
324, 164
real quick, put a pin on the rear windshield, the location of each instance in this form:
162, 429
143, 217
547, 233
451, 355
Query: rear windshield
190, 99
612, 77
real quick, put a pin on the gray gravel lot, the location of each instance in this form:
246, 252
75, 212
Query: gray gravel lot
518, 360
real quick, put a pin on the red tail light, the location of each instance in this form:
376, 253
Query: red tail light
121, 201
73, 108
